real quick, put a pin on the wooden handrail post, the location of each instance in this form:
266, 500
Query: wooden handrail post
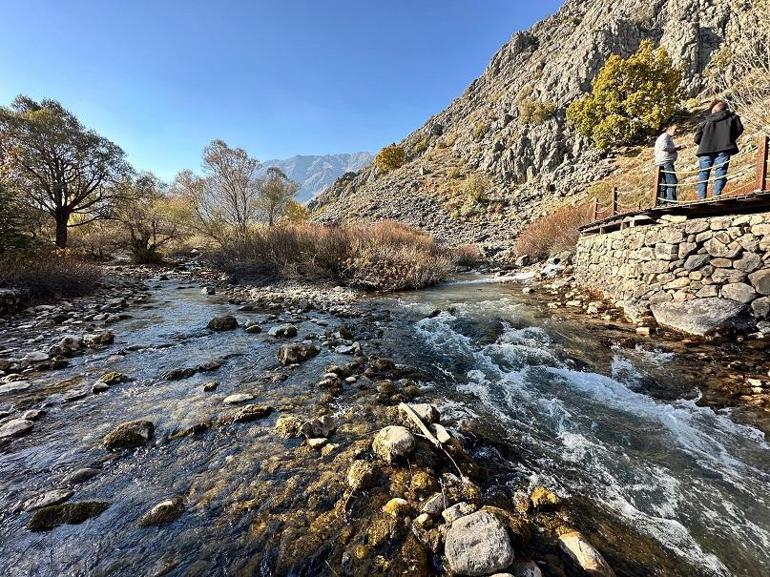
614, 200
596, 208
763, 150
656, 188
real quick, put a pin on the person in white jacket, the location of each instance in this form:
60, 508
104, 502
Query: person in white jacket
666, 153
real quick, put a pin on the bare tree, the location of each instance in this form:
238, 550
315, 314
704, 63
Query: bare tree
276, 194
225, 198
145, 218
744, 69
57, 164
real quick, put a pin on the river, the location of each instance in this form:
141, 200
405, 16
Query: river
620, 427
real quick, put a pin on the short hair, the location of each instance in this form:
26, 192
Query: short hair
720, 105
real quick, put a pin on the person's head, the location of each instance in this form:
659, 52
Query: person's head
672, 129
718, 106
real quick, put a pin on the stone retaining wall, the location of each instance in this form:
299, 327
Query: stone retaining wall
680, 260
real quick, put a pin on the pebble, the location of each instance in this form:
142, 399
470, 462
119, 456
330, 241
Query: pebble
15, 428
164, 512
237, 398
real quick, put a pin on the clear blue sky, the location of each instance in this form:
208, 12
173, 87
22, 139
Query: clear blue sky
162, 78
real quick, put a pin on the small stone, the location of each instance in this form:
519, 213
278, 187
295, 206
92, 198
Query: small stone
428, 413
237, 398
288, 427
458, 510
317, 442
33, 414
285, 331
80, 475
209, 290
14, 386
397, 507
113, 378
46, 499
15, 428
296, 353
543, 498
210, 386
164, 512
253, 329
392, 443
247, 414
50, 517
99, 388
225, 323
129, 435
434, 505
179, 374
526, 569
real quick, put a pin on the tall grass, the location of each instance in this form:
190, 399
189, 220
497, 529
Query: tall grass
44, 278
385, 256
554, 233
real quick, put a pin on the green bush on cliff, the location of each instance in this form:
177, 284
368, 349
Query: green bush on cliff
631, 98
390, 158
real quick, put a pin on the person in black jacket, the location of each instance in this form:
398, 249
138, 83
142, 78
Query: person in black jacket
716, 138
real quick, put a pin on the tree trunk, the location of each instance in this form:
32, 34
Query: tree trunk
62, 218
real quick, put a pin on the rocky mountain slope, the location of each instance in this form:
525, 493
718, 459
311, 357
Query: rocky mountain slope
532, 163
315, 173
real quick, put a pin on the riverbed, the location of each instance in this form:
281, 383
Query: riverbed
541, 398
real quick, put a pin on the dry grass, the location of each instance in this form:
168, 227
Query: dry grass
553, 233
45, 278
385, 256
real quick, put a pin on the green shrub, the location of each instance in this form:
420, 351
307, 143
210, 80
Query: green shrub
421, 146
631, 98
476, 188
533, 111
390, 158
479, 130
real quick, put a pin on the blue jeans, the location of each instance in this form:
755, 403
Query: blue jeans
668, 182
721, 161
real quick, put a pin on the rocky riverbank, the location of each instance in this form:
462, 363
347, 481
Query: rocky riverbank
203, 426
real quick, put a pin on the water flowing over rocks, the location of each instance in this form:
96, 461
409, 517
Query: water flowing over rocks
129, 435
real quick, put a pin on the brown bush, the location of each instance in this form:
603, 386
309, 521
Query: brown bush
384, 256
44, 278
554, 233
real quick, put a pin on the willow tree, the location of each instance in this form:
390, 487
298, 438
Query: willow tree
276, 194
57, 164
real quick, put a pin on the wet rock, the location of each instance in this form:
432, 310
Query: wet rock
317, 442
283, 331
700, 317
525, 569
458, 510
33, 414
543, 498
460, 489
179, 374
80, 475
362, 475
321, 427
225, 323
52, 516
296, 353
288, 427
209, 290
99, 388
97, 340
237, 398
129, 435
478, 544
210, 386
164, 512
392, 443
75, 395
53, 497
427, 413
192, 430
253, 328
585, 555
247, 414
383, 365
14, 387
15, 428
113, 378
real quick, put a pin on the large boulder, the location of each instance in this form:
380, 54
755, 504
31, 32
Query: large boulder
478, 544
129, 435
701, 317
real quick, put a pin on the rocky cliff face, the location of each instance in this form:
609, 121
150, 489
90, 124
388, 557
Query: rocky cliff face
533, 161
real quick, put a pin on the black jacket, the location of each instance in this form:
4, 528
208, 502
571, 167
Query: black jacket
718, 133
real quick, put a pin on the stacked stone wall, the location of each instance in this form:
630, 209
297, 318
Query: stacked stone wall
679, 260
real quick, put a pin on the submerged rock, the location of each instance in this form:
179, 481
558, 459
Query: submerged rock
164, 512
16, 428
246, 414
478, 544
236, 398
392, 443
284, 331
296, 353
225, 323
701, 317
129, 435
80, 475
52, 516
53, 497
585, 555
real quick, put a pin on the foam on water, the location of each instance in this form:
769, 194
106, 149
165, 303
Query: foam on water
690, 477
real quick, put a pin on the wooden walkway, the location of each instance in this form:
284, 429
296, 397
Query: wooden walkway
757, 200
